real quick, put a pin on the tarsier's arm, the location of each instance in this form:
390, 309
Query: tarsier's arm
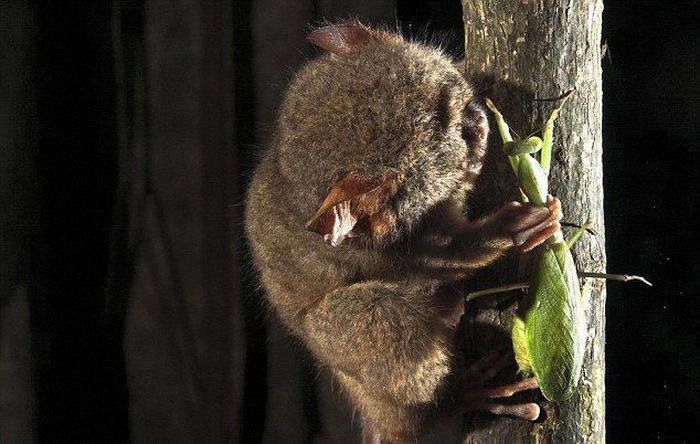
469, 246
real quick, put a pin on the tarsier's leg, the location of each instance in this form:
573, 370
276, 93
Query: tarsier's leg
387, 346
476, 397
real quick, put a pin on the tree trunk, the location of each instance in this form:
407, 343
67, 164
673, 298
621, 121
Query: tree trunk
521, 52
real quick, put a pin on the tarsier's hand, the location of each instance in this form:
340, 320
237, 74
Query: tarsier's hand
529, 225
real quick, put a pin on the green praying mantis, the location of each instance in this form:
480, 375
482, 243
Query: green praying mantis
549, 326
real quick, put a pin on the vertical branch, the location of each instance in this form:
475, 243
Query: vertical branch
519, 52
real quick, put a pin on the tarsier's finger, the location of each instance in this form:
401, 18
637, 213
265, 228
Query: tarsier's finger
554, 205
529, 411
508, 390
539, 237
517, 217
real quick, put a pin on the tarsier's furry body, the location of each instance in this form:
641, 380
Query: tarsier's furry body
355, 218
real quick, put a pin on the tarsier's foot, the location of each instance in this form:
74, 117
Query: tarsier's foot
479, 398
530, 225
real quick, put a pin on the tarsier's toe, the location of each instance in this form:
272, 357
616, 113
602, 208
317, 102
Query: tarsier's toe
539, 237
529, 411
508, 390
479, 398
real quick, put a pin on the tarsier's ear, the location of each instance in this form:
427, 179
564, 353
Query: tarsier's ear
349, 207
341, 38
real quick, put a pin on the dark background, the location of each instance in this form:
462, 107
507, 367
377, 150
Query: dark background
108, 151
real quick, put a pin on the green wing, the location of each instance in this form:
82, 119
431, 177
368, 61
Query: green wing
554, 334
519, 347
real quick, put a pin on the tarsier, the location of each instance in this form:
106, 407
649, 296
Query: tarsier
356, 218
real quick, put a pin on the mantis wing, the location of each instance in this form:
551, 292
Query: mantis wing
554, 335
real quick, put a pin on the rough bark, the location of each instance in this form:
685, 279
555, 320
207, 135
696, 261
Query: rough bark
521, 52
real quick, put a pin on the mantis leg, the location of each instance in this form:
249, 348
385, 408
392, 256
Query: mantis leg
614, 277
494, 290
500, 121
572, 240
504, 130
547, 139
524, 285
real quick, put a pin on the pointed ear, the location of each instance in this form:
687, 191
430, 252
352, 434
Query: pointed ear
349, 206
341, 38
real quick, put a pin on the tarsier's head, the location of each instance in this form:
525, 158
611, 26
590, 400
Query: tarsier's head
376, 132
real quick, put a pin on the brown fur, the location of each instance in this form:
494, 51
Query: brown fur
384, 136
